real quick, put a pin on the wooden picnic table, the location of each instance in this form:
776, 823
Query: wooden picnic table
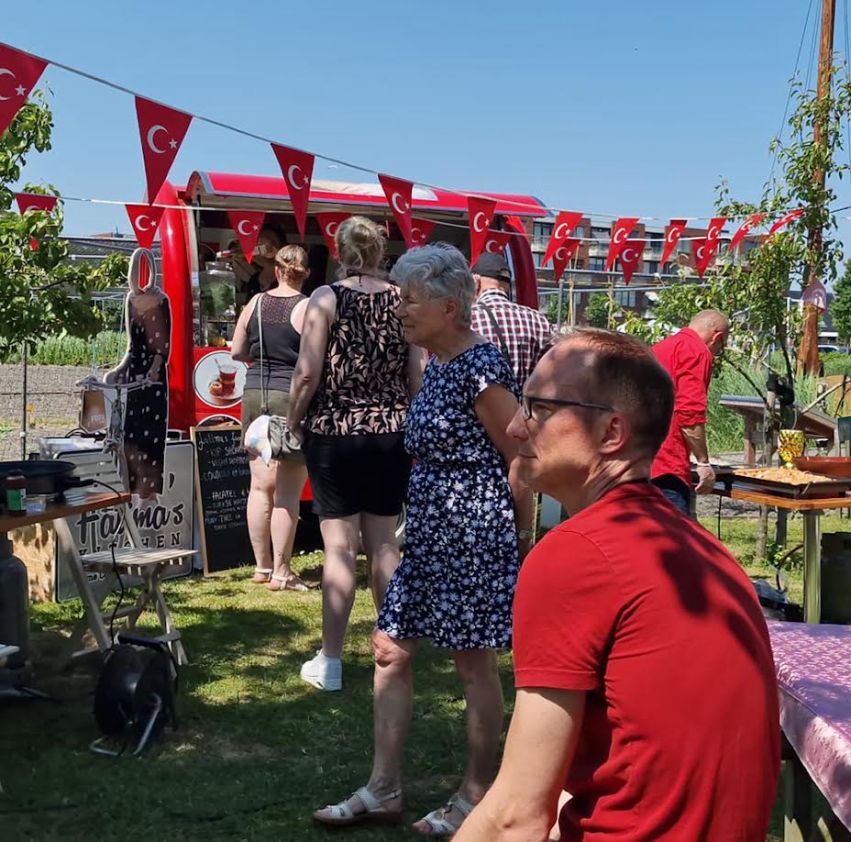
811, 510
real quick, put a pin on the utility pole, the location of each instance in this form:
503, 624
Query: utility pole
808, 351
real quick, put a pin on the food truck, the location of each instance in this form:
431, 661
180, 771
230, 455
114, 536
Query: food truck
203, 288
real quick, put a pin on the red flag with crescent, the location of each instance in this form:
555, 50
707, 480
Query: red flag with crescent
247, 225
783, 221
18, 74
297, 170
716, 226
35, 201
630, 257
161, 130
328, 224
420, 231
145, 220
565, 222
481, 214
497, 241
702, 252
751, 222
672, 236
562, 255
398, 193
621, 230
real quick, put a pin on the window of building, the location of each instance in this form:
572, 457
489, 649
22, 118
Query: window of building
651, 267
600, 233
625, 297
538, 258
542, 230
597, 264
579, 232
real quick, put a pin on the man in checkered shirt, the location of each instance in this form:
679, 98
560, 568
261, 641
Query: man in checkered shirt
521, 333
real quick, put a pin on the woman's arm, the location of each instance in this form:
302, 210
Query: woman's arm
495, 407
311, 356
240, 347
417, 359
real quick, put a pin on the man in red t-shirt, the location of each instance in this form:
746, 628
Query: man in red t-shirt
645, 681
687, 357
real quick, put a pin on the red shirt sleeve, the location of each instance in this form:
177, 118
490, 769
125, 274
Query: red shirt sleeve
565, 609
693, 372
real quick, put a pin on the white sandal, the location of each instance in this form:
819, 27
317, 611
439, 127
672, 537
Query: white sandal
374, 810
436, 819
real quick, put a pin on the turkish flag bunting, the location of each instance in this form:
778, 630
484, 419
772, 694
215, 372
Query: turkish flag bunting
420, 231
672, 236
161, 130
622, 229
18, 74
481, 215
497, 241
702, 252
35, 201
630, 257
328, 223
751, 222
565, 222
398, 193
784, 220
715, 228
562, 255
247, 225
145, 221
297, 169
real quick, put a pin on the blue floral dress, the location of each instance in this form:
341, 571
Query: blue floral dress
456, 581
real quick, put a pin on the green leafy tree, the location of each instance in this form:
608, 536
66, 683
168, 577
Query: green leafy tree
840, 309
596, 312
41, 293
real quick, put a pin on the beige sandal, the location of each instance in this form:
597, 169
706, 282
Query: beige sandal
374, 810
262, 575
437, 821
290, 582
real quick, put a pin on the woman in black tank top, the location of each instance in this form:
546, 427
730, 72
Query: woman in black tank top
273, 500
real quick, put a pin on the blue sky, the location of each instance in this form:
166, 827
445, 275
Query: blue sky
619, 107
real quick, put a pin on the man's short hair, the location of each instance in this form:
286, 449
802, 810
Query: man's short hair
624, 374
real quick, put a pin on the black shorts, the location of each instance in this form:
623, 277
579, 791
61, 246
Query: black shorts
352, 474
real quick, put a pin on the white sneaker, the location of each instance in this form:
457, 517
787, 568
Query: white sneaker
323, 673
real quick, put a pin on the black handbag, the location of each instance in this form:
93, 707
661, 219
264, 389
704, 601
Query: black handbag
281, 438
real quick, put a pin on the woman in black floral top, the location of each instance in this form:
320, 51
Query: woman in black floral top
468, 526
350, 396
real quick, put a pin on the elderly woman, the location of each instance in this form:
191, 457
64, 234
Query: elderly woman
466, 531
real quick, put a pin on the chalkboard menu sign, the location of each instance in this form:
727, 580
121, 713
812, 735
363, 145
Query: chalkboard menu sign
222, 481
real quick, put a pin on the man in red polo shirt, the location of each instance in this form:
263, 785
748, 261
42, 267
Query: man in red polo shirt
645, 681
687, 357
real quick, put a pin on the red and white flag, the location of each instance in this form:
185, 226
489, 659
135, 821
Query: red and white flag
297, 169
145, 221
497, 241
35, 202
399, 193
702, 252
420, 231
783, 221
562, 256
481, 215
247, 225
18, 74
630, 257
328, 224
751, 222
620, 231
565, 222
672, 236
716, 226
161, 130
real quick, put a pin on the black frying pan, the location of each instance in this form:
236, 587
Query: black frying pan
44, 476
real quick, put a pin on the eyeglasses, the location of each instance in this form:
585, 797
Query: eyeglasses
527, 401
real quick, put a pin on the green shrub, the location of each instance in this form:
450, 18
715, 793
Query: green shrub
69, 350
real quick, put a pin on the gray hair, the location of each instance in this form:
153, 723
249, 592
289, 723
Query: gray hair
440, 271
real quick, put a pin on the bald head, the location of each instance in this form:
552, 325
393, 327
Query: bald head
713, 328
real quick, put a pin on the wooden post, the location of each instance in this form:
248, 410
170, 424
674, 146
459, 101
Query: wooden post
768, 425
610, 320
808, 350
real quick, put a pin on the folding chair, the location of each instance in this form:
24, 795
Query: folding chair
132, 560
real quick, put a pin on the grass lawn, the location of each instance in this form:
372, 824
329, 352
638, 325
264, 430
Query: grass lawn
256, 749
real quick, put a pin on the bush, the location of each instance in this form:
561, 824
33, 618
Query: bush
69, 350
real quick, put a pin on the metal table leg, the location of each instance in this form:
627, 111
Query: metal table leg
812, 567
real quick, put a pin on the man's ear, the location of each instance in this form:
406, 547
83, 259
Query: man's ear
478, 280
615, 434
